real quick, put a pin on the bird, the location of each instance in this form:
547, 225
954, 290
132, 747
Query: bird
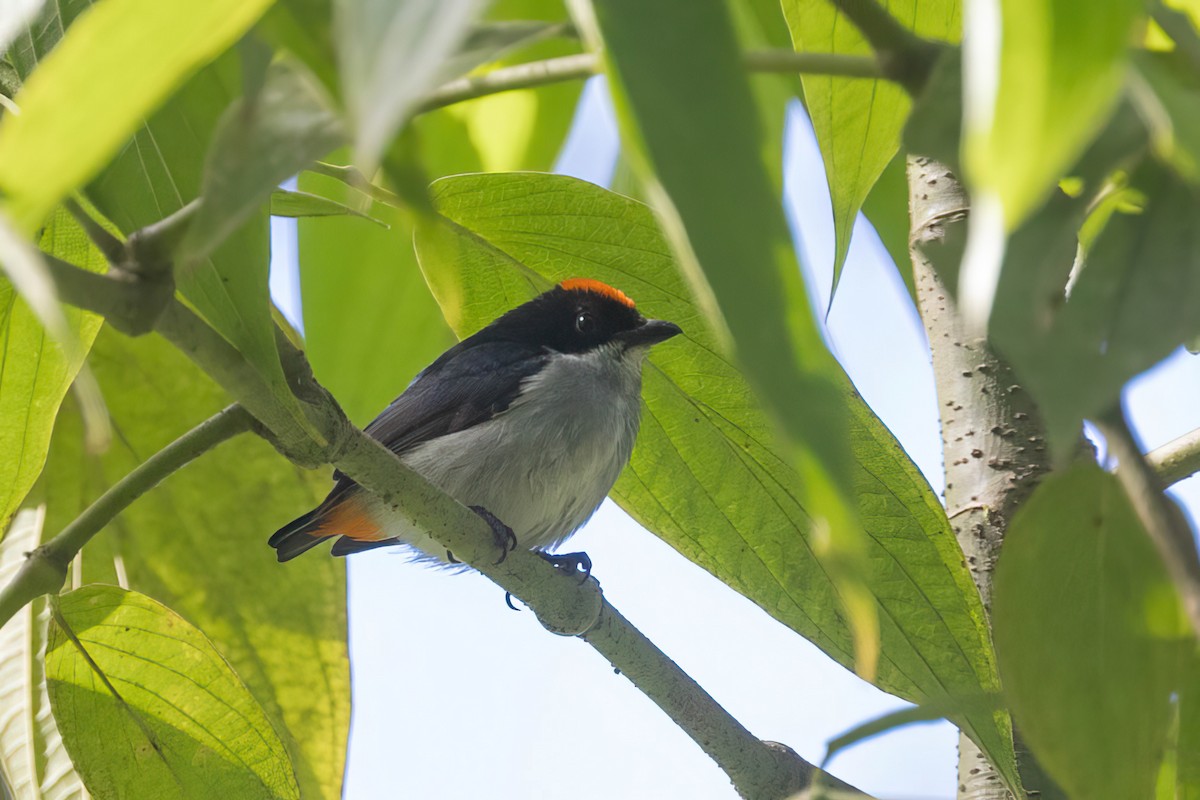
528, 422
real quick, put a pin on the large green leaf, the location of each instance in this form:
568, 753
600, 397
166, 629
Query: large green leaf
1187, 768
197, 542
1135, 300
1032, 107
148, 707
36, 371
33, 762
140, 50
858, 122
669, 65
390, 54
1090, 636
708, 474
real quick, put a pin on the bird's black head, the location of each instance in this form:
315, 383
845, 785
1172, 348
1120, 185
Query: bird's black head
579, 315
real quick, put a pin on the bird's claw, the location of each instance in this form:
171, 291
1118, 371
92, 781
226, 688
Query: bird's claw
503, 535
570, 563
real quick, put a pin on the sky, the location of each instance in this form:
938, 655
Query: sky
456, 696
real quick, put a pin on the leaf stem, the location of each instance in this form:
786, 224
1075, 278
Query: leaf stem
905, 57
45, 568
584, 65
1164, 523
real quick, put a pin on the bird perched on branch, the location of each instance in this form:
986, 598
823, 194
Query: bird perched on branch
529, 422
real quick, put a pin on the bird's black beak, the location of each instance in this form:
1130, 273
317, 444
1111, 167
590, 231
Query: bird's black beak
650, 332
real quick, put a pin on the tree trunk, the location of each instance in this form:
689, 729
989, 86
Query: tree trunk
993, 445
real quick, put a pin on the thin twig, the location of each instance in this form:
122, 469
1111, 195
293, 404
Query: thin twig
1163, 522
355, 180
584, 65
45, 568
905, 57
790, 62
1177, 459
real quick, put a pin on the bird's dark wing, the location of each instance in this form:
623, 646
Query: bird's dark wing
463, 388
470, 383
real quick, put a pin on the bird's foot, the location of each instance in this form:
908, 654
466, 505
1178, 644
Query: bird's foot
503, 535
578, 564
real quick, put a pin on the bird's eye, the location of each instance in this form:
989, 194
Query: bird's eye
585, 323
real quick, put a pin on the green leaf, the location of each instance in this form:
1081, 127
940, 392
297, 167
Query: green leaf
671, 63
857, 122
67, 130
1170, 103
158, 172
910, 715
260, 142
708, 474
390, 54
304, 28
1060, 71
36, 371
1187, 768
369, 329
198, 543
148, 707
33, 761
285, 203
1090, 636
886, 208
1135, 300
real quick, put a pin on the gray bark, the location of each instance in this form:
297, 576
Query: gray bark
992, 443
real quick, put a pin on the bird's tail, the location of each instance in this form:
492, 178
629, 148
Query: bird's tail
300, 535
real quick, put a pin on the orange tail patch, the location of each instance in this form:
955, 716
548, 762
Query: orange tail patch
349, 518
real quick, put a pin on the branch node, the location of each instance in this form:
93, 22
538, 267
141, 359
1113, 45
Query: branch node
576, 617
42, 573
150, 251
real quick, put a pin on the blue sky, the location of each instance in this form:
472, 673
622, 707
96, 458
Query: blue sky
547, 717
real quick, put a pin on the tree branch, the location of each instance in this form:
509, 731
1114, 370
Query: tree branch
1162, 520
584, 65
905, 58
760, 770
1177, 459
45, 568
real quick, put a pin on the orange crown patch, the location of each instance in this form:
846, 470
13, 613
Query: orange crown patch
596, 287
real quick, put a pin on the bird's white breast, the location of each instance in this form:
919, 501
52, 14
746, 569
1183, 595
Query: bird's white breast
545, 464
